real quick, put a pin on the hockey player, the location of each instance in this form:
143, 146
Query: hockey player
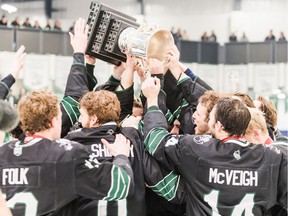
223, 175
42, 175
99, 115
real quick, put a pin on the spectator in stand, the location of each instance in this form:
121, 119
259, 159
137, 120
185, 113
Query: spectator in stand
204, 37
270, 36
178, 35
16, 22
4, 21
243, 38
213, 37
282, 37
27, 23
37, 25
232, 37
71, 29
48, 26
185, 35
173, 32
57, 25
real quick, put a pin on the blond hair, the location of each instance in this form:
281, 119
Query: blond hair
257, 122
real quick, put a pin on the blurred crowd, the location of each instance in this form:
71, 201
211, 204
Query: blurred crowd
26, 23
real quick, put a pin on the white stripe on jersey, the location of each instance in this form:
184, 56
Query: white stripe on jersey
122, 207
102, 208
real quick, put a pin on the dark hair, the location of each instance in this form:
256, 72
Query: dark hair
245, 99
233, 114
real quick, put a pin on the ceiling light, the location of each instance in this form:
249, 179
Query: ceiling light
9, 8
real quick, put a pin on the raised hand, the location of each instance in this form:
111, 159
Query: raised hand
18, 62
172, 58
90, 59
79, 39
151, 87
155, 66
118, 71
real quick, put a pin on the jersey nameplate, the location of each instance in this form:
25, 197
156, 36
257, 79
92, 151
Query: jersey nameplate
14, 176
99, 150
20, 176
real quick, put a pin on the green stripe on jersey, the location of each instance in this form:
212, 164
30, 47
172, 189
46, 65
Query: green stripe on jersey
177, 112
71, 107
169, 116
167, 187
154, 138
120, 183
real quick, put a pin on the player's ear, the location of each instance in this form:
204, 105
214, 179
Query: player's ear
256, 133
94, 120
53, 121
219, 126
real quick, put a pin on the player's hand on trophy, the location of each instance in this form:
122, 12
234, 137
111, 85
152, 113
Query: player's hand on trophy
140, 72
128, 76
90, 59
173, 56
18, 62
79, 39
130, 62
121, 145
118, 71
155, 66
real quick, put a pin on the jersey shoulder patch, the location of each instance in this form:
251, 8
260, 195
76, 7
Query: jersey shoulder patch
201, 139
66, 144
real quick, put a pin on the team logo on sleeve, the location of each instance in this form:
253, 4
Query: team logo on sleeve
172, 141
110, 132
237, 155
92, 162
201, 139
65, 143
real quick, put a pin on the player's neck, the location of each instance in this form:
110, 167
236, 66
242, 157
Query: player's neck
221, 135
232, 137
43, 134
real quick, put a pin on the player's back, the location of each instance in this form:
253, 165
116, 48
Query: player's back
91, 139
37, 177
232, 178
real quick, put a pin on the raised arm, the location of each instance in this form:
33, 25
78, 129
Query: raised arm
162, 145
77, 82
9, 80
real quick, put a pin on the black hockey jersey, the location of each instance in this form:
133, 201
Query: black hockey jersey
231, 178
144, 170
43, 177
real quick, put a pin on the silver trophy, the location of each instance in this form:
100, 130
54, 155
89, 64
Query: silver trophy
111, 33
145, 44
